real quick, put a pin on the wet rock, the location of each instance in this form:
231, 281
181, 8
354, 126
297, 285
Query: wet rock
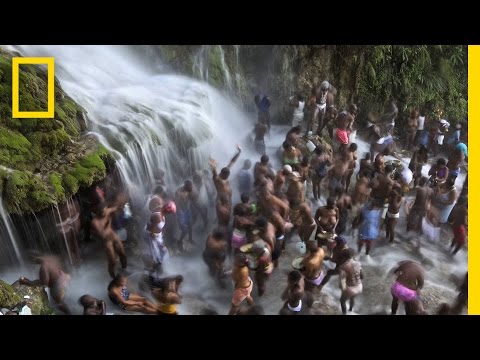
8, 296
38, 300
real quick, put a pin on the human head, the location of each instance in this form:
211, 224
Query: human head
423, 181
299, 97
119, 280
331, 202
441, 162
87, 301
264, 159
261, 222
159, 190
188, 186
368, 156
414, 114
218, 234
312, 246
340, 241
245, 197
247, 164
225, 173
294, 277
324, 86
353, 109
353, 147
155, 204
305, 161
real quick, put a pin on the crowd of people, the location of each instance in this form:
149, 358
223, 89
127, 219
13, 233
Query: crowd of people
319, 164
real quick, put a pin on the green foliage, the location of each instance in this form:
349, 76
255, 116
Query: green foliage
8, 296
56, 183
424, 77
70, 183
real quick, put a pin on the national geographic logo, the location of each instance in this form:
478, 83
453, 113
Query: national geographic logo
16, 62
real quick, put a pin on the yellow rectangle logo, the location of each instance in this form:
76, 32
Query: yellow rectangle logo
16, 62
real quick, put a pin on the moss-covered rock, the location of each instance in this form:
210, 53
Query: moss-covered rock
50, 158
38, 302
8, 295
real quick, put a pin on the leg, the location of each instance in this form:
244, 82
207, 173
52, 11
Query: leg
120, 250
234, 309
368, 246
110, 258
343, 300
352, 304
360, 246
394, 305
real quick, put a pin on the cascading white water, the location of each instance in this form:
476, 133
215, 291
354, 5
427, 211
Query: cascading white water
9, 248
148, 120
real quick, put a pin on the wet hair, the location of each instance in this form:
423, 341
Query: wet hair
367, 156
100, 208
188, 185
159, 190
441, 162
296, 129
87, 300
305, 160
264, 159
245, 197
353, 147
423, 181
331, 202
388, 169
218, 234
247, 164
225, 173
197, 178
261, 222
286, 145
116, 280
299, 97
294, 276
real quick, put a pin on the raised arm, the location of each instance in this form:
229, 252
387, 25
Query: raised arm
213, 166
234, 159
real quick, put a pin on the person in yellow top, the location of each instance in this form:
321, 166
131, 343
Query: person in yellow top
167, 296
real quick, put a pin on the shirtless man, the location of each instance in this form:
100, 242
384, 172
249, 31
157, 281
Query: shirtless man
338, 172
295, 193
379, 163
419, 209
262, 167
243, 283
412, 126
224, 209
319, 164
361, 194
102, 226
293, 135
281, 179
260, 130
310, 109
351, 277
242, 223
352, 163
410, 279
92, 306
381, 186
244, 204
327, 217
366, 165
183, 200
51, 275
294, 294
458, 220
419, 158
215, 254
308, 225
339, 256
395, 201
328, 120
221, 180
312, 269
344, 205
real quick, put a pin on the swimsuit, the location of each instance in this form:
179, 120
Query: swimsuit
403, 293
240, 294
125, 296
318, 280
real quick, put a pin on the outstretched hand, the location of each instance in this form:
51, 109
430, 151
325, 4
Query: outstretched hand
238, 147
212, 163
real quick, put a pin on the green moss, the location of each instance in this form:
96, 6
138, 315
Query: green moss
8, 296
70, 184
215, 69
56, 183
49, 158
38, 301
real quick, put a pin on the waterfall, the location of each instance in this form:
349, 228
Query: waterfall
148, 120
9, 248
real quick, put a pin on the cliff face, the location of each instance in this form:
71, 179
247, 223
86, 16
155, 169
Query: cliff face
42, 161
432, 78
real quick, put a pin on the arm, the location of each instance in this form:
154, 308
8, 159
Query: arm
234, 159
213, 166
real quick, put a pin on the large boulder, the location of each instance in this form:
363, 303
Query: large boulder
8, 296
38, 301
